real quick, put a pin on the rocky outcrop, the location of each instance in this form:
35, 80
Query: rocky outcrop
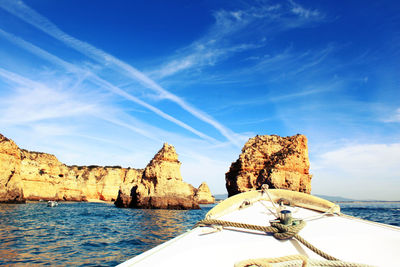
27, 175
161, 185
131, 180
280, 162
10, 168
203, 195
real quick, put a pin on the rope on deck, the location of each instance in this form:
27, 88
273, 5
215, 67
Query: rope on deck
279, 231
295, 260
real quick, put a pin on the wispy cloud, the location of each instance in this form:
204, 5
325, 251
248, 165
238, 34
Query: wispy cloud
308, 91
359, 170
304, 93
223, 39
54, 115
40, 52
25, 13
198, 56
304, 12
289, 63
276, 98
87, 74
364, 159
35, 103
394, 117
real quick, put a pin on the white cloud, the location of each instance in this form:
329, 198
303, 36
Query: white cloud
175, 66
297, 94
370, 171
372, 158
31, 103
34, 101
197, 56
39, 52
393, 118
303, 12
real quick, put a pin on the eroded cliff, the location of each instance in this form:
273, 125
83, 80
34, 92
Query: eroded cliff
280, 162
161, 185
10, 168
203, 195
27, 175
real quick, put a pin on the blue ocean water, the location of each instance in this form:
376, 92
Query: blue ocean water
99, 234
382, 212
85, 234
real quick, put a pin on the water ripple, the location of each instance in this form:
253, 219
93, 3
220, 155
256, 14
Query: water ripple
84, 234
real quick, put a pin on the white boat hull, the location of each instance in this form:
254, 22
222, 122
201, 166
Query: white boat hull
344, 237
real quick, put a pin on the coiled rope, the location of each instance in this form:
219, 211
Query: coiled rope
296, 260
278, 230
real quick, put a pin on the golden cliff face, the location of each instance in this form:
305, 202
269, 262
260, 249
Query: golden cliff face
161, 185
203, 195
27, 175
10, 168
70, 183
280, 162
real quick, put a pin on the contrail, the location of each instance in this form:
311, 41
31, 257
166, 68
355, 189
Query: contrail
18, 79
72, 68
25, 13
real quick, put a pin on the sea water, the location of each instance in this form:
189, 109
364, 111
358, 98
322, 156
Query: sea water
99, 234
85, 234
382, 212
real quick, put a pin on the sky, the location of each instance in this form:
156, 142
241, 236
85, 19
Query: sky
108, 82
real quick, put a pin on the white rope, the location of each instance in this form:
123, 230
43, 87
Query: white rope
321, 263
328, 212
295, 261
264, 189
268, 208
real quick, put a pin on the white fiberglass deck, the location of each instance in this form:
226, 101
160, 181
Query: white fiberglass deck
346, 238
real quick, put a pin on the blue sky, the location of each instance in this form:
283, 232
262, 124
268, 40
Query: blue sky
108, 82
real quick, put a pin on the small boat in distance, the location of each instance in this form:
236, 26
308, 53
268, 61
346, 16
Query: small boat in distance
277, 226
52, 203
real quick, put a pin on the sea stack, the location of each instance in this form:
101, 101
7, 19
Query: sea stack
280, 162
203, 194
161, 186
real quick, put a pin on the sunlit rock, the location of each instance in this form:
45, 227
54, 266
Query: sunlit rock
10, 169
280, 162
161, 186
28, 175
203, 194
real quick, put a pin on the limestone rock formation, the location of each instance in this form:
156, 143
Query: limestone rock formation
10, 168
280, 162
27, 175
131, 180
203, 195
161, 185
